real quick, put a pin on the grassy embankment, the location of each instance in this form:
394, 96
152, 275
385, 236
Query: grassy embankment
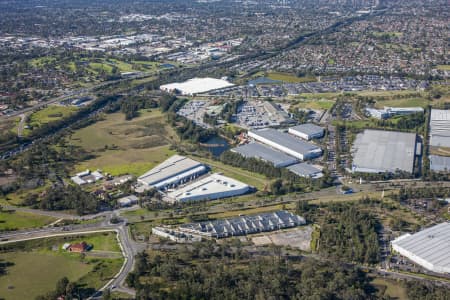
16, 220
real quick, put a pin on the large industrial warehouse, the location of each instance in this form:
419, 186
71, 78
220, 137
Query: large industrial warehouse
215, 186
265, 153
196, 85
429, 248
306, 170
440, 128
377, 151
439, 163
175, 170
244, 225
307, 131
286, 143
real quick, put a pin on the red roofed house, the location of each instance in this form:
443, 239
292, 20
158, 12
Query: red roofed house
80, 247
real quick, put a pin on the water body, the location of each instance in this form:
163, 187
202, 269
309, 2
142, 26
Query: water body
216, 145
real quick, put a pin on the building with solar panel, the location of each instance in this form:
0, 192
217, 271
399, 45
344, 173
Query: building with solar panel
244, 225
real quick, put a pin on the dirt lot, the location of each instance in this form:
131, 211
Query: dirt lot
296, 238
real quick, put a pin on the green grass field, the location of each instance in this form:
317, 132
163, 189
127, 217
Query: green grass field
289, 78
22, 220
126, 147
102, 241
49, 114
443, 67
36, 272
16, 198
99, 64
315, 104
409, 102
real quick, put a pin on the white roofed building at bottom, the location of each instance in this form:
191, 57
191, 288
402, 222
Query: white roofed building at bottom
430, 248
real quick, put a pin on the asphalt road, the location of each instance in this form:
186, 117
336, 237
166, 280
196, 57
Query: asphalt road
128, 246
20, 127
74, 93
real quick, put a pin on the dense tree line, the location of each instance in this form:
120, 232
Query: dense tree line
383, 176
210, 119
188, 130
227, 271
425, 291
230, 109
44, 161
350, 234
130, 106
51, 127
166, 101
68, 197
64, 289
408, 122
422, 192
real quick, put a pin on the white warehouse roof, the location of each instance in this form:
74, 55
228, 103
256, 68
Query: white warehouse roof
286, 143
377, 151
429, 248
171, 170
212, 187
265, 153
440, 128
196, 85
307, 131
306, 170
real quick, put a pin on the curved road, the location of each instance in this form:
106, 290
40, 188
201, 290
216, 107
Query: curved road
128, 247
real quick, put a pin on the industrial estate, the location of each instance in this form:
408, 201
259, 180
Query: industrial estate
213, 149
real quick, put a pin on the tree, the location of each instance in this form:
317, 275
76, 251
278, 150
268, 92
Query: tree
106, 295
61, 286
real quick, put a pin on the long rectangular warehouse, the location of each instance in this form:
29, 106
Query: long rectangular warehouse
286, 143
175, 170
377, 151
265, 153
215, 186
429, 248
440, 128
196, 85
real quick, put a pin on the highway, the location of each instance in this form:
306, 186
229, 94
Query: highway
73, 93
